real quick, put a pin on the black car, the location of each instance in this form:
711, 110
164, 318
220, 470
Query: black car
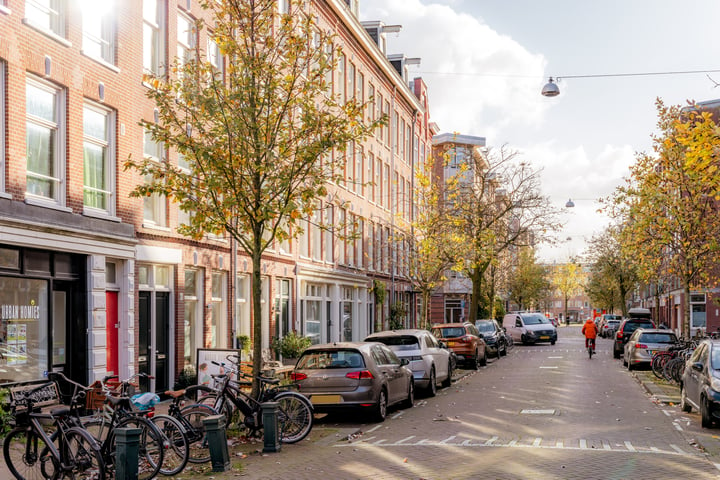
494, 337
637, 318
700, 383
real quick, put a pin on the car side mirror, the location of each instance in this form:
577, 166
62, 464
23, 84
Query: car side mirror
698, 366
443, 345
404, 361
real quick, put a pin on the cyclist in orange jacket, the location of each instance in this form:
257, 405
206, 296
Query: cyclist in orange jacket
589, 329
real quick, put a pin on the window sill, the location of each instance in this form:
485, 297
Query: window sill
90, 212
5, 195
48, 33
152, 226
41, 202
101, 61
5, 10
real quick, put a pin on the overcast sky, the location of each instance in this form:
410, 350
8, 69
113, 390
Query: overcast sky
485, 62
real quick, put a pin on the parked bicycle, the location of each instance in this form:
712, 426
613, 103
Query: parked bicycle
65, 451
295, 412
122, 414
669, 365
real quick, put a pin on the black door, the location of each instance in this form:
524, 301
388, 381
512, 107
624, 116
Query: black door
162, 344
153, 344
144, 322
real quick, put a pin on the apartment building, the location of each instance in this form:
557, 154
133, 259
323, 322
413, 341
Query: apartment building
95, 281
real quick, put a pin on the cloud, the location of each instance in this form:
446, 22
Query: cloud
479, 81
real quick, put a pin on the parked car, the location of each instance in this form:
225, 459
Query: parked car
555, 322
700, 383
463, 339
494, 337
628, 326
364, 376
430, 360
530, 328
609, 325
643, 343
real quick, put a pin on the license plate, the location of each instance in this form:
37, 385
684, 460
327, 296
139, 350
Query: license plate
452, 344
325, 399
544, 337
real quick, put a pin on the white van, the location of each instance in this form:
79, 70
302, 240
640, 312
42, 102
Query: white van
529, 328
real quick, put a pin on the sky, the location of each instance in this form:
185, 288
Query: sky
486, 61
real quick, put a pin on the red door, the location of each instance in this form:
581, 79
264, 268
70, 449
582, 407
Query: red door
111, 332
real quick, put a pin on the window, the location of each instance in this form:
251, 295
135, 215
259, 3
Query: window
242, 306
154, 206
45, 141
328, 58
359, 238
99, 29
183, 216
193, 314
372, 105
186, 34
215, 58
316, 240
98, 158
341, 240
282, 306
341, 79
377, 182
47, 15
386, 127
304, 240
359, 160
351, 240
329, 227
218, 313
351, 80
153, 37
371, 247
283, 6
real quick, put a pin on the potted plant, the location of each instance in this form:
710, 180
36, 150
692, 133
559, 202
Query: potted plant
290, 346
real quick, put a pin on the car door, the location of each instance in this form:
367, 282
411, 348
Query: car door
692, 380
394, 374
439, 356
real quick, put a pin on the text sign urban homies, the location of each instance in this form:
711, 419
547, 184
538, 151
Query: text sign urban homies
48, 395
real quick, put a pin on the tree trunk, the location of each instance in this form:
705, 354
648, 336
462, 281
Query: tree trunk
687, 314
257, 319
424, 321
476, 278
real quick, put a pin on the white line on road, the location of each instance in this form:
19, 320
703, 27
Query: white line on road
559, 444
583, 444
667, 412
548, 367
717, 465
492, 440
451, 437
406, 439
537, 441
374, 428
677, 449
606, 445
512, 443
630, 447
677, 427
555, 357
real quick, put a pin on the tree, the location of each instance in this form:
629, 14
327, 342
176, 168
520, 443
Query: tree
254, 141
613, 271
499, 206
567, 279
669, 203
529, 283
433, 247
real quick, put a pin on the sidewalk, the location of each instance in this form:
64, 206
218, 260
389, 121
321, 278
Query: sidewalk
660, 390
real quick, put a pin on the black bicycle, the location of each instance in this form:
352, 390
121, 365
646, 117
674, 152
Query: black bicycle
295, 412
65, 451
122, 414
590, 347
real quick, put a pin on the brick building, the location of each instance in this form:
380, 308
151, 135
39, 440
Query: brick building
95, 281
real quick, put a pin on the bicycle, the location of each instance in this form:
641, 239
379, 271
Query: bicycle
122, 414
590, 347
32, 453
295, 412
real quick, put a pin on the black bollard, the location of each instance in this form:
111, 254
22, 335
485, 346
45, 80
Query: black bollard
127, 446
271, 427
217, 442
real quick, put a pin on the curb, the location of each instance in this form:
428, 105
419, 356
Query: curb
658, 393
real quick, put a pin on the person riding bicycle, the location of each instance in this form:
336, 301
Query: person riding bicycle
589, 329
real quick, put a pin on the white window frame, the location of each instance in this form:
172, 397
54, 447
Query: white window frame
48, 15
158, 203
157, 26
215, 58
108, 145
194, 302
102, 41
186, 39
283, 7
58, 144
218, 309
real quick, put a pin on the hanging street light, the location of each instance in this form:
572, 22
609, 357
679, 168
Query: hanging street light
550, 89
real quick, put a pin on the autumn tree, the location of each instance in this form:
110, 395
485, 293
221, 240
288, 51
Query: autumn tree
254, 140
568, 280
529, 283
498, 206
613, 271
669, 202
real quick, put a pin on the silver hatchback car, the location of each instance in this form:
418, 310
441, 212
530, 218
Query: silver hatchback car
643, 344
365, 376
430, 360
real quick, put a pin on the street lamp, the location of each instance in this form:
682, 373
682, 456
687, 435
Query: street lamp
569, 203
550, 89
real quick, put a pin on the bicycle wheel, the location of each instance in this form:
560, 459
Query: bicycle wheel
22, 449
192, 417
295, 417
178, 451
82, 453
658, 362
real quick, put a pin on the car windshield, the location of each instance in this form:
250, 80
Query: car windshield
612, 317
485, 326
321, 359
535, 320
405, 342
451, 332
658, 338
613, 322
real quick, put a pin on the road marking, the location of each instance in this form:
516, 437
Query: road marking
606, 445
406, 439
512, 443
717, 465
583, 444
492, 440
630, 447
399, 414
677, 427
537, 441
667, 412
559, 444
374, 428
676, 448
555, 357
448, 439
549, 367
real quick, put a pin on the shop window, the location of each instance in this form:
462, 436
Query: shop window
37, 262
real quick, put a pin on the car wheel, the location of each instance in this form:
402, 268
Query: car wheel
483, 360
616, 353
624, 361
448, 381
476, 361
432, 386
684, 405
523, 339
552, 342
410, 400
503, 352
381, 407
630, 365
705, 418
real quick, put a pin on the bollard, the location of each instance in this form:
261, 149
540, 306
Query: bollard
272, 427
127, 446
217, 442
